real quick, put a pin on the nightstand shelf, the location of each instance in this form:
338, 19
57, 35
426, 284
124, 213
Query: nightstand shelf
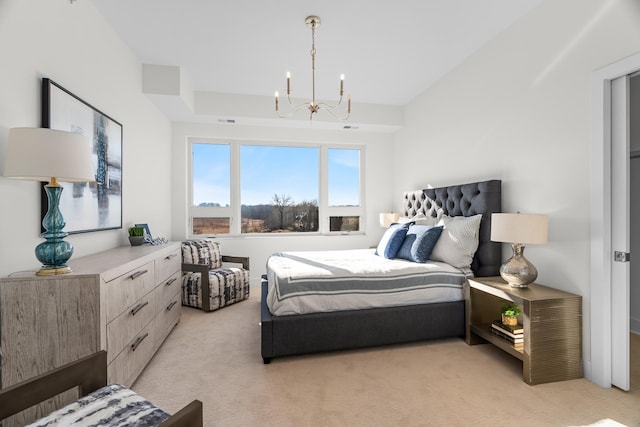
482, 331
552, 321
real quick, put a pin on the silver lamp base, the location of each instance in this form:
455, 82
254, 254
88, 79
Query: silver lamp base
518, 271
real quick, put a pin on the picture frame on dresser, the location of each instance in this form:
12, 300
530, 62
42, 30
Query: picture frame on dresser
87, 206
147, 233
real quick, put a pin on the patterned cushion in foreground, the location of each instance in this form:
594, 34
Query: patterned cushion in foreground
112, 406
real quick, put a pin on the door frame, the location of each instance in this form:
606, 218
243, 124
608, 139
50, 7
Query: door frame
601, 259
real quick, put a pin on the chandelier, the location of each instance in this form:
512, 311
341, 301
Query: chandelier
313, 22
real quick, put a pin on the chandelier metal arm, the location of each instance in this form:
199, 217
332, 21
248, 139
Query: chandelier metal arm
330, 111
293, 110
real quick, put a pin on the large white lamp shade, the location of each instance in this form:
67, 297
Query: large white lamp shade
519, 229
40, 154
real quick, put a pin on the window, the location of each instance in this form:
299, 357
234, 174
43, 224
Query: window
211, 188
344, 189
344, 177
279, 189
274, 188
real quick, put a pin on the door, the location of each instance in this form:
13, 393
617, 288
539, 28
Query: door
620, 206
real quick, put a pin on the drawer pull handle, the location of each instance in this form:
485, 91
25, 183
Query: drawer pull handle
168, 257
138, 307
170, 281
170, 306
138, 341
137, 274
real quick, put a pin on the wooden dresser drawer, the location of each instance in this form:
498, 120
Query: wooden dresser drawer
167, 265
126, 367
167, 289
125, 290
125, 327
168, 315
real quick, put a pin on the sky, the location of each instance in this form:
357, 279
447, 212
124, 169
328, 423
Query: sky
269, 170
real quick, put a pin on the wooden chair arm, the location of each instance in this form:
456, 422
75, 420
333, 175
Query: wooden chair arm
88, 373
198, 268
189, 416
237, 260
203, 269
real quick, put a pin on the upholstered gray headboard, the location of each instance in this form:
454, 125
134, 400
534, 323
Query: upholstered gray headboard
464, 200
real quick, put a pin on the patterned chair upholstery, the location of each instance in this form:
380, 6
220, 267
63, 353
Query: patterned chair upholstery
99, 404
206, 284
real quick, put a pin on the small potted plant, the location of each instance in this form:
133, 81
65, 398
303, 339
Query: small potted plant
136, 236
510, 313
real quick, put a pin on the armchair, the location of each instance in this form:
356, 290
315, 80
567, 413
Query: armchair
99, 404
206, 284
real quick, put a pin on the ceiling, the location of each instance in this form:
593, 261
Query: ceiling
389, 51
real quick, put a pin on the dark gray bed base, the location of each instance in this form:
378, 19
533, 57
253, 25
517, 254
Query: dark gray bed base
341, 330
318, 332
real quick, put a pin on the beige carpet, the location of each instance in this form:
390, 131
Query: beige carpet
215, 357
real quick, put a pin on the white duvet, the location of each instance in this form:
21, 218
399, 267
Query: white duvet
323, 281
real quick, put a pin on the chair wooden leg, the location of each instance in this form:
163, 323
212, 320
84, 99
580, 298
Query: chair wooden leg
205, 290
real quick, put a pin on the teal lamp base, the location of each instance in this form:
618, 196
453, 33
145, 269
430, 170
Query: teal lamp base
54, 252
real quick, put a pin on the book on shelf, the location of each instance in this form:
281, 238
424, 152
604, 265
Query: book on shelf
510, 339
515, 331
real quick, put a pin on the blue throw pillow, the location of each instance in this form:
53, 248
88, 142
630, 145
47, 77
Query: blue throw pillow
392, 240
419, 242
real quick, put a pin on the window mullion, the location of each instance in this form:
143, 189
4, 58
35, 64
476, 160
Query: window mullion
323, 191
236, 221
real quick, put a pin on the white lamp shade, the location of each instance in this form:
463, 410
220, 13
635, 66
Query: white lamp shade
520, 228
39, 154
388, 218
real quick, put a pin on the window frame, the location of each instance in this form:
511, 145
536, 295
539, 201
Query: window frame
233, 212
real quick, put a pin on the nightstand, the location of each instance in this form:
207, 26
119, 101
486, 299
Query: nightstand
552, 321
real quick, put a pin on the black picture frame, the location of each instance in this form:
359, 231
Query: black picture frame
85, 206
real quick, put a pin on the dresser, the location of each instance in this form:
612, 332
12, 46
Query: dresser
124, 300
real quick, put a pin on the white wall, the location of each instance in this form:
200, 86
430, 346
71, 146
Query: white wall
379, 196
72, 45
518, 110
634, 291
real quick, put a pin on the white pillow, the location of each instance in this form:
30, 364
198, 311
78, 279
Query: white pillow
459, 240
419, 219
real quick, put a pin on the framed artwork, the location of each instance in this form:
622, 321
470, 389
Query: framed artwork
87, 206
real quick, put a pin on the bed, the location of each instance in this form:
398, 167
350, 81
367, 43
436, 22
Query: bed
294, 334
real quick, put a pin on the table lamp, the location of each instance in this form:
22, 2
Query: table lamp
41, 154
519, 229
388, 218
